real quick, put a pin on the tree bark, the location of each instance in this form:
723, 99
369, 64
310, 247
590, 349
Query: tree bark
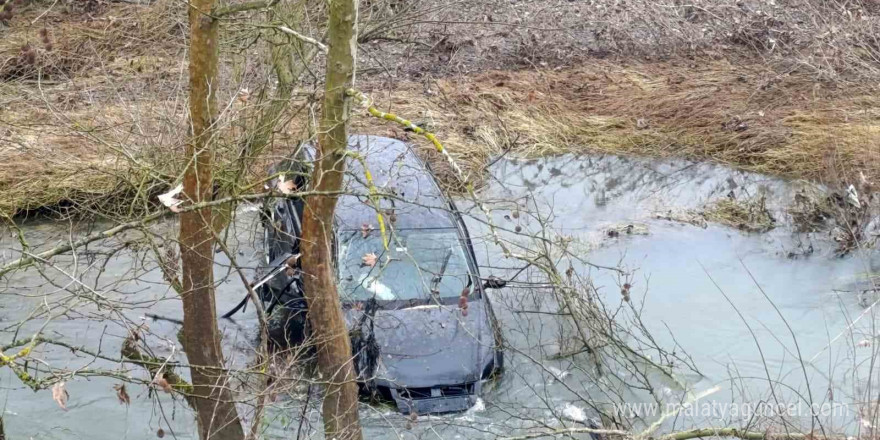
340, 406
216, 413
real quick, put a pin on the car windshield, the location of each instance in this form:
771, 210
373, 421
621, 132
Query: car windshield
418, 264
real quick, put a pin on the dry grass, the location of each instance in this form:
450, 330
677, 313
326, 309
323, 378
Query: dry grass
87, 91
811, 211
109, 102
87, 161
735, 115
92, 42
748, 215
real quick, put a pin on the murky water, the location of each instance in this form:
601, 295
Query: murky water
683, 273
680, 272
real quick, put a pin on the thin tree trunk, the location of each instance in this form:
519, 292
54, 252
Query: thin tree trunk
215, 411
340, 406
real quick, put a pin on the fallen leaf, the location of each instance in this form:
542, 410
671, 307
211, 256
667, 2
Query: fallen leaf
60, 395
370, 259
366, 229
122, 394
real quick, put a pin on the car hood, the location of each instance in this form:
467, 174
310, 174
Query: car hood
426, 346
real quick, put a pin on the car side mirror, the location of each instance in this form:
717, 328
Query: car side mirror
493, 282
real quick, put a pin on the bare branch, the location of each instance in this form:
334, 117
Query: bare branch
301, 37
91, 238
242, 7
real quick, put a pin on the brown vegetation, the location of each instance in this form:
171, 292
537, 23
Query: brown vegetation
742, 116
75, 136
749, 215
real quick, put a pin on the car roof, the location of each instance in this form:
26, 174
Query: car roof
419, 203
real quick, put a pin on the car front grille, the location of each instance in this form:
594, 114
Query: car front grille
435, 400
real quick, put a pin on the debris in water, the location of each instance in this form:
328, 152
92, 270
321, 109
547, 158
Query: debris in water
689, 217
615, 231
557, 373
811, 211
479, 406
800, 252
749, 215
574, 413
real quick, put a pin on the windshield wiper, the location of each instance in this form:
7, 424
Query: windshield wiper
435, 282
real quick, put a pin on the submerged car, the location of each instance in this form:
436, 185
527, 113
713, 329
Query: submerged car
423, 332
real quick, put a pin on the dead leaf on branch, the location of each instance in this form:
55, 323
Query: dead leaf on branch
122, 394
366, 229
60, 395
162, 383
370, 259
285, 186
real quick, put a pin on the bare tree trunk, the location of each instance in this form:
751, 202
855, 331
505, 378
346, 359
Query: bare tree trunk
340, 407
215, 411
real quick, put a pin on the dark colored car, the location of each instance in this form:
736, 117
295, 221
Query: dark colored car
422, 327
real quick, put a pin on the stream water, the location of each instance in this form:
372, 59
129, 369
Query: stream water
699, 289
